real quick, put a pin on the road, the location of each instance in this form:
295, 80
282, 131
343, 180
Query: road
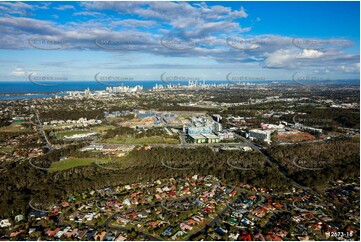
41, 129
217, 219
106, 225
182, 145
182, 138
275, 165
282, 171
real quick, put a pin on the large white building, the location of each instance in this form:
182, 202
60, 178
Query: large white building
202, 125
264, 135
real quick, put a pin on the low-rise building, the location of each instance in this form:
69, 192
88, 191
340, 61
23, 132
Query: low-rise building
5, 223
211, 138
226, 135
197, 138
246, 148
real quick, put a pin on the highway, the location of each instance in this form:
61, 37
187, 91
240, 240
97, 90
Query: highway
182, 145
41, 130
275, 165
293, 182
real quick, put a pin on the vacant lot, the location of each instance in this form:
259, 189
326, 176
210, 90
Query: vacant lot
102, 128
62, 134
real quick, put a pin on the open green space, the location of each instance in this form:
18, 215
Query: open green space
56, 126
75, 162
14, 128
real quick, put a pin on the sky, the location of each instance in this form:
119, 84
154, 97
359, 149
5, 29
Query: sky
189, 40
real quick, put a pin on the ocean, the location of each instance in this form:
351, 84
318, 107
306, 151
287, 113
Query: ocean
25, 90
56, 87
17, 90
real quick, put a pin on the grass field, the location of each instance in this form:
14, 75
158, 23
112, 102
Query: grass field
356, 138
74, 162
62, 134
6, 149
14, 128
144, 140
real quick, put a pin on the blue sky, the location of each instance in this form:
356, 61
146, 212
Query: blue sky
205, 40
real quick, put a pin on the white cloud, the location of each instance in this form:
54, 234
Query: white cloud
280, 59
19, 72
207, 25
353, 68
134, 23
87, 13
65, 7
309, 53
